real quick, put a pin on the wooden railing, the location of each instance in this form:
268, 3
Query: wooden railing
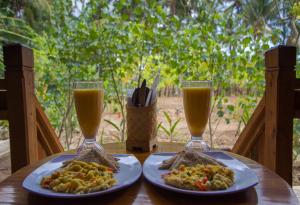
31, 135
268, 136
252, 132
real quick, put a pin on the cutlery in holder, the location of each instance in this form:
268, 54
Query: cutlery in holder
141, 117
141, 127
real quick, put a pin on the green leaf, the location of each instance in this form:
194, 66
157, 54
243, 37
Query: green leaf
220, 113
168, 118
112, 124
230, 108
227, 120
174, 125
158, 126
246, 41
265, 47
165, 130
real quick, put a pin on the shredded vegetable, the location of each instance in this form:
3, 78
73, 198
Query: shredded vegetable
200, 177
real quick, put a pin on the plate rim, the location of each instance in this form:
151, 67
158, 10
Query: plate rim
85, 195
196, 193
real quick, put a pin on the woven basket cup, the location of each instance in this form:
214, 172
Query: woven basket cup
141, 127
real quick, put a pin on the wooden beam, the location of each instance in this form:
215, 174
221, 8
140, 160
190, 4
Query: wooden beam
297, 83
3, 100
2, 84
3, 115
3, 105
42, 154
275, 150
46, 134
19, 77
17, 56
252, 131
281, 56
254, 153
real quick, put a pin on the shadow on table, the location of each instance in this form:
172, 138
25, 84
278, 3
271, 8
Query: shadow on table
143, 192
125, 196
159, 196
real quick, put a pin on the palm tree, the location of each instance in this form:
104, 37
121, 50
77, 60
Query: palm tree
265, 15
255, 13
35, 12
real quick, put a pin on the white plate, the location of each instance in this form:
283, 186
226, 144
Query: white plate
129, 172
245, 178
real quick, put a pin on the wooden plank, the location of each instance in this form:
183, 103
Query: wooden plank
254, 151
43, 143
297, 114
3, 100
19, 77
252, 131
3, 115
297, 83
275, 150
281, 56
17, 56
3, 105
45, 132
2, 84
42, 153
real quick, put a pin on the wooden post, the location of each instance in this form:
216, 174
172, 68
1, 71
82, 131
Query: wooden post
275, 150
19, 76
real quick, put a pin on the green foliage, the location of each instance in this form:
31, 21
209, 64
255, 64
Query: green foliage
296, 10
170, 129
117, 127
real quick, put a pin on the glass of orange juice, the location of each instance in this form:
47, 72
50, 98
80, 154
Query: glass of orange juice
88, 97
196, 102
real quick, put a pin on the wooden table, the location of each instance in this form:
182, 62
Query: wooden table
270, 190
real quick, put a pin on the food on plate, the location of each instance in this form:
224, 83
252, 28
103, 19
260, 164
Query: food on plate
90, 171
97, 156
194, 170
200, 177
78, 177
189, 157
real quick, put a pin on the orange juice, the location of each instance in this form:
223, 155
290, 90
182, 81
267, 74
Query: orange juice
89, 105
196, 102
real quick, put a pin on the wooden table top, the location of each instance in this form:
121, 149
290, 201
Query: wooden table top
270, 190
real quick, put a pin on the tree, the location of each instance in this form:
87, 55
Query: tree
269, 15
36, 13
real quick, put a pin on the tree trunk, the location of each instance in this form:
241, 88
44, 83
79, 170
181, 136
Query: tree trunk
173, 7
293, 39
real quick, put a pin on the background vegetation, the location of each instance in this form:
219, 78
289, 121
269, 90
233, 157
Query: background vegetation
116, 41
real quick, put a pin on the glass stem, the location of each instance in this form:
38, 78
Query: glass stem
89, 140
197, 138
88, 143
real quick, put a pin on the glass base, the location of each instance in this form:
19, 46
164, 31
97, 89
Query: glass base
198, 144
89, 144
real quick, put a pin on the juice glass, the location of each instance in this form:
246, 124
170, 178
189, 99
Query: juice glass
196, 103
88, 97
